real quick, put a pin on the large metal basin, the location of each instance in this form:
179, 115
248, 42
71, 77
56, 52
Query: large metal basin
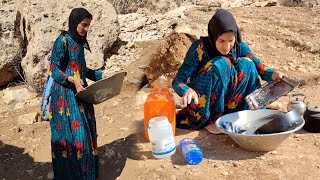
103, 89
255, 142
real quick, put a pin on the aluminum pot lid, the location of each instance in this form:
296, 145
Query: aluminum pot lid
297, 102
315, 109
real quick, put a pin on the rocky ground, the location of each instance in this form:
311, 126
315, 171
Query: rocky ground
285, 38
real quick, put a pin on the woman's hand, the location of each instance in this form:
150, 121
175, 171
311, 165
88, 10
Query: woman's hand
78, 83
104, 75
188, 96
277, 75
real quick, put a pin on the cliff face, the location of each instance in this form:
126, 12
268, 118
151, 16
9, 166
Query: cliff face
11, 42
28, 28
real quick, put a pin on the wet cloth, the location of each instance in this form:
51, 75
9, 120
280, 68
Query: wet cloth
72, 122
221, 84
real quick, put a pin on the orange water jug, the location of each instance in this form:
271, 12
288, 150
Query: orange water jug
160, 102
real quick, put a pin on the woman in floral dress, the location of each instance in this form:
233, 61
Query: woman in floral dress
72, 122
218, 72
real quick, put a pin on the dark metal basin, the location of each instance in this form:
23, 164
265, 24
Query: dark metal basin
103, 89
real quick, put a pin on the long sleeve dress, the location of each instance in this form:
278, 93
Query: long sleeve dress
72, 122
220, 84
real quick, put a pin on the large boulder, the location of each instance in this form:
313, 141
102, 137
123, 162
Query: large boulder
11, 42
299, 3
166, 59
45, 19
147, 6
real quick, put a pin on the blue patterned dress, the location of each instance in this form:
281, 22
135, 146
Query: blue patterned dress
220, 84
72, 122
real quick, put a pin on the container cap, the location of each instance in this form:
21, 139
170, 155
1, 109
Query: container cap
158, 121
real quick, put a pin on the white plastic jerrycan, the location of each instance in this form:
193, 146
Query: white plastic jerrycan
161, 137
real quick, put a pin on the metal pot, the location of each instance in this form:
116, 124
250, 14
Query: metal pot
282, 123
297, 104
312, 119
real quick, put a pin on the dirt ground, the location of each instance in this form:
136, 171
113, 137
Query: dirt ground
284, 38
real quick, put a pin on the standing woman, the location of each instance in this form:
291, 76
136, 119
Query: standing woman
218, 72
72, 122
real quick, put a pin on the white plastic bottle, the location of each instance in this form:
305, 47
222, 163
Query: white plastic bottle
161, 137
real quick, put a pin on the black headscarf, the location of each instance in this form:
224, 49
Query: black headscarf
77, 15
222, 21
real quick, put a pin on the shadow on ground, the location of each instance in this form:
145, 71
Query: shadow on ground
15, 163
113, 156
215, 147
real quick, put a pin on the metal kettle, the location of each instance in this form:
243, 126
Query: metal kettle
297, 104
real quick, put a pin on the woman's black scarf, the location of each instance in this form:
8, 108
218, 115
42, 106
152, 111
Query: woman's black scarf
77, 15
222, 21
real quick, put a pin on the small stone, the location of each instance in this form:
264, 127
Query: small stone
124, 129
316, 144
225, 174
173, 177
143, 66
250, 169
115, 104
135, 81
235, 164
176, 166
159, 169
296, 136
144, 157
27, 119
274, 152
302, 82
262, 158
130, 45
2, 146
50, 175
30, 171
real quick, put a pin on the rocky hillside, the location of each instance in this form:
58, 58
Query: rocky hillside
29, 28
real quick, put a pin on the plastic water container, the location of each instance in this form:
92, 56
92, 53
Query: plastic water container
160, 102
161, 137
191, 151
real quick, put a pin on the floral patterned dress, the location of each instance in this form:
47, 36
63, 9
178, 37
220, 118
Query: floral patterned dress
72, 122
220, 84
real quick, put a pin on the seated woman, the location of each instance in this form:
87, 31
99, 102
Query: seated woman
218, 72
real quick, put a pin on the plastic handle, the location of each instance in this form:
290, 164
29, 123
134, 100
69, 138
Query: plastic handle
160, 90
155, 89
297, 94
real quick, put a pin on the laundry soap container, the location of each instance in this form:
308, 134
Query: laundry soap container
161, 137
160, 102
